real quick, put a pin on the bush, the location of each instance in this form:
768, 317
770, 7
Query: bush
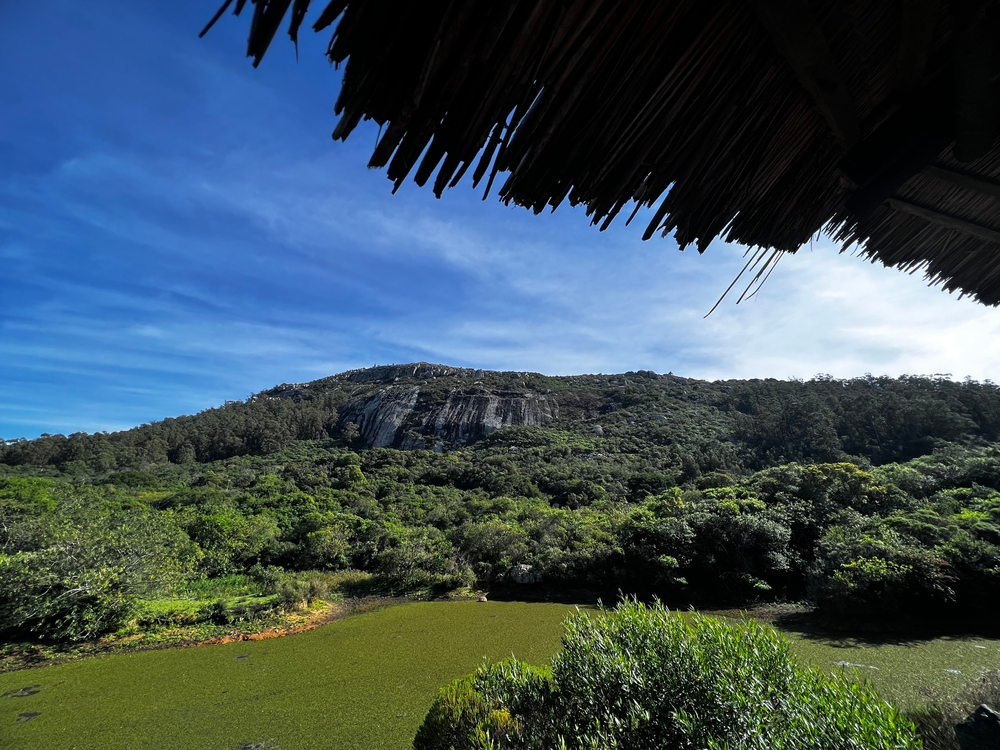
292, 594
351, 582
469, 708
47, 594
643, 677
216, 612
82, 576
872, 572
318, 589
267, 577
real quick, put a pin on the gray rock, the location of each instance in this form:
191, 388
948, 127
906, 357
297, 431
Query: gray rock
522, 573
471, 416
597, 430
399, 417
981, 731
381, 417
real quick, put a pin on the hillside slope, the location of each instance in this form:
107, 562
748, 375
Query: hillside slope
871, 497
733, 425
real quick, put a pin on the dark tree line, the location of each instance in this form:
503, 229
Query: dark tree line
255, 427
880, 419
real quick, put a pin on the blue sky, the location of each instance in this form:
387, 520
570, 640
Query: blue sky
177, 229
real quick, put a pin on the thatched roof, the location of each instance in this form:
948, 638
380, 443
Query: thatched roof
761, 121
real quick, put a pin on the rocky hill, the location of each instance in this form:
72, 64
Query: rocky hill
734, 425
423, 405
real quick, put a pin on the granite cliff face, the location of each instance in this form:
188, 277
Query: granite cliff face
381, 417
402, 417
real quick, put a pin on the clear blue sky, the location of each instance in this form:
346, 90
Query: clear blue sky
177, 229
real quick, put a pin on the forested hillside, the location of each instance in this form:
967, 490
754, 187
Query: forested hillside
871, 497
692, 426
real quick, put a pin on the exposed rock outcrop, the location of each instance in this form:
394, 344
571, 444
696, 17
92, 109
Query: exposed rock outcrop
466, 417
430, 406
381, 417
412, 417
981, 731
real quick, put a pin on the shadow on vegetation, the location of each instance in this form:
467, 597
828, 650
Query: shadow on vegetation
609, 597
811, 625
24, 692
540, 592
937, 719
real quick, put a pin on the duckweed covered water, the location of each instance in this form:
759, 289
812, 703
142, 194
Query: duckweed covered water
363, 682
900, 671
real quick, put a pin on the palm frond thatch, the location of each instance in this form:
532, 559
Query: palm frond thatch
760, 121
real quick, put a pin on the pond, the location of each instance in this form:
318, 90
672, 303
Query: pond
900, 670
363, 682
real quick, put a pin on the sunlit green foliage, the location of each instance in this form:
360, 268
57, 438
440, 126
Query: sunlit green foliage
843, 536
75, 567
698, 492
641, 677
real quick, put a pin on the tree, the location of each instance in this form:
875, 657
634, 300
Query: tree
83, 572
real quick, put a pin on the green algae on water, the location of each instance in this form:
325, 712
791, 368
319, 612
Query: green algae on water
362, 682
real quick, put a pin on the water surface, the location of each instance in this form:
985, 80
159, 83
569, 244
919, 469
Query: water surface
362, 682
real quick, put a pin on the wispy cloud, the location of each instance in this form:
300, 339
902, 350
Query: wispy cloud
182, 232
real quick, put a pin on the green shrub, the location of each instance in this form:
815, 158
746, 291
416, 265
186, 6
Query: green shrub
249, 611
79, 576
292, 594
872, 572
318, 589
39, 595
484, 707
216, 612
643, 677
267, 577
351, 582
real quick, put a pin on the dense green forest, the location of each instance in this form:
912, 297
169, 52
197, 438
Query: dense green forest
872, 498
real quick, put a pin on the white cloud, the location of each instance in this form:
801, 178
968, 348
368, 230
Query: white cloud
192, 235
629, 305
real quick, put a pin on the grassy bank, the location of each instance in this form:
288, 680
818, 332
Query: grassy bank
221, 610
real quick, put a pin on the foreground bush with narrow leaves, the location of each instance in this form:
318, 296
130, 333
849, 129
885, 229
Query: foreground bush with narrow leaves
641, 677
